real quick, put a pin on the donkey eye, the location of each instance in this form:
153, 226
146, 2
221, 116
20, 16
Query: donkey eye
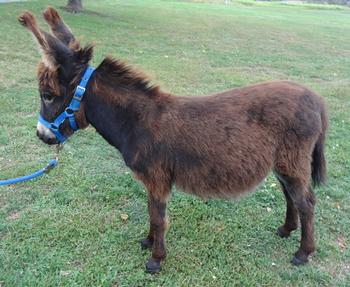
47, 97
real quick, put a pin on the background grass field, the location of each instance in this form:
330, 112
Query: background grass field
66, 229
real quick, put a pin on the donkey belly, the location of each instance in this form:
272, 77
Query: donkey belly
215, 185
225, 171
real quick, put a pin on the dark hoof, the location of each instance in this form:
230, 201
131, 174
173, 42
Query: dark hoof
146, 243
153, 266
281, 232
298, 261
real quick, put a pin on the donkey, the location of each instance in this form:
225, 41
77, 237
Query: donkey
215, 146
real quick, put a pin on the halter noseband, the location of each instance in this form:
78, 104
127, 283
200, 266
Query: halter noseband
68, 113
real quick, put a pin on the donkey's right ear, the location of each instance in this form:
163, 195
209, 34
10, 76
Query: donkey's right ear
55, 53
27, 20
58, 27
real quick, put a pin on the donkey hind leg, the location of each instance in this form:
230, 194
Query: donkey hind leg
291, 220
304, 201
158, 225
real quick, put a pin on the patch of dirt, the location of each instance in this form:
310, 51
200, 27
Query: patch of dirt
86, 12
341, 242
13, 216
9, 1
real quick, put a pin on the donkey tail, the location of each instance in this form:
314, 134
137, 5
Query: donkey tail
319, 166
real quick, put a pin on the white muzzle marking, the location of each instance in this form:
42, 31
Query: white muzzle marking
42, 130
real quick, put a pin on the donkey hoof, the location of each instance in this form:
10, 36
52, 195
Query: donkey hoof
281, 232
153, 266
146, 243
298, 261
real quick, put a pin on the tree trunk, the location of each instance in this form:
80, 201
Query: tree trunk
74, 6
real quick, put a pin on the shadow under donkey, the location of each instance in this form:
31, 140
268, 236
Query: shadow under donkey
215, 146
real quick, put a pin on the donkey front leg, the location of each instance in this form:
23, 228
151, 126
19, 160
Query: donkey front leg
147, 243
158, 225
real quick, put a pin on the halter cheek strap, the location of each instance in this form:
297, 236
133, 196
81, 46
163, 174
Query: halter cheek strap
69, 112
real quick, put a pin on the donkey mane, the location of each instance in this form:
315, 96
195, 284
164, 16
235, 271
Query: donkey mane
126, 75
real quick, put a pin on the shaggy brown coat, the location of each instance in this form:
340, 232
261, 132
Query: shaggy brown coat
218, 146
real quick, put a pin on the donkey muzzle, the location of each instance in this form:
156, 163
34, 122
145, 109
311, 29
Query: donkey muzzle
46, 135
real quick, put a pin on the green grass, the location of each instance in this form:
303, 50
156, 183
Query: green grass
66, 228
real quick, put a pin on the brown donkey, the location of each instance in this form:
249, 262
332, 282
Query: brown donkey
217, 146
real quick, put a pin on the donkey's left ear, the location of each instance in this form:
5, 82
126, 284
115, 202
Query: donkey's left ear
84, 55
55, 53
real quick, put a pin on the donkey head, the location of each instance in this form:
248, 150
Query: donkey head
63, 62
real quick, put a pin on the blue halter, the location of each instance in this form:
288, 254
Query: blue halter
73, 107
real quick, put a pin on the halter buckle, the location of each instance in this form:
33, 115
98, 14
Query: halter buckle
69, 111
79, 92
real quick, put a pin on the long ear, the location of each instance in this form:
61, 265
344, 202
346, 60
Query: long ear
27, 20
55, 53
58, 27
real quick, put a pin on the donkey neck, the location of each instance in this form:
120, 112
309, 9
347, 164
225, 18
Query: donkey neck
123, 113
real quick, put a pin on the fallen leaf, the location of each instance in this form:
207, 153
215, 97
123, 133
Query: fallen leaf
124, 216
65, 273
220, 228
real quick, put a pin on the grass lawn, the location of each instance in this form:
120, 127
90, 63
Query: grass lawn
67, 229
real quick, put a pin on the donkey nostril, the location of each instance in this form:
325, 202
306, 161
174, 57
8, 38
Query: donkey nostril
51, 141
45, 138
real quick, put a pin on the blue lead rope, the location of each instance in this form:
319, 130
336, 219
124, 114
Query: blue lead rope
52, 163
